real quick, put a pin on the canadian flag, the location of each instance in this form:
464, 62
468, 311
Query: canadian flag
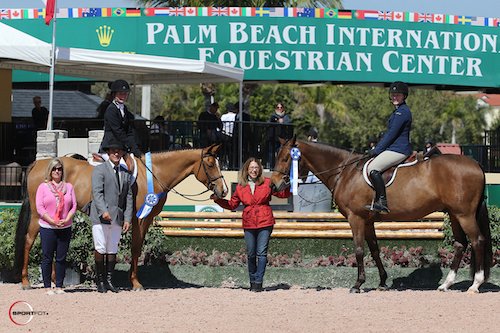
438, 18
49, 11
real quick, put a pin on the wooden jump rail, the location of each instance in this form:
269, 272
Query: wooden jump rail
294, 225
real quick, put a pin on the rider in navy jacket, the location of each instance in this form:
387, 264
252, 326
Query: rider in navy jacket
393, 148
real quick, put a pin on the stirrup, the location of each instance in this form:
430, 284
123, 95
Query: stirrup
377, 207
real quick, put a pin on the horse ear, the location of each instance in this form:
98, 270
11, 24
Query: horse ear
215, 148
282, 141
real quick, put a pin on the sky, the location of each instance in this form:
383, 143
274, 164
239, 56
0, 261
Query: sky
486, 8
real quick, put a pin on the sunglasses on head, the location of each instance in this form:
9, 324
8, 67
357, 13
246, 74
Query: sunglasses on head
57, 169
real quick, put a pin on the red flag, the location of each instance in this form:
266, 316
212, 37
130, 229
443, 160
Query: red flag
49, 11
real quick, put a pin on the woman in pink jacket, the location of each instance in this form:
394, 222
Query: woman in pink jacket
254, 192
56, 205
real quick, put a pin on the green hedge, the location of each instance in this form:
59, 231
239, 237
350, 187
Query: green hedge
157, 247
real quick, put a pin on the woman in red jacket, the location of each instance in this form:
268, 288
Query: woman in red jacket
254, 192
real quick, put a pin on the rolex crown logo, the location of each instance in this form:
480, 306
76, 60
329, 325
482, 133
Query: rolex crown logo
104, 34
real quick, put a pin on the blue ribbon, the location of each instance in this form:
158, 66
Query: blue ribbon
294, 170
151, 199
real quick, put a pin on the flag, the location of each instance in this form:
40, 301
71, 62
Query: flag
384, 16
63, 13
330, 13
366, 14
478, 20
305, 12
176, 11
49, 11
202, 11
398, 16
247, 11
16, 14
423, 17
438, 18
320, 13
218, 11
290, 12
31, 13
191, 11
491, 22
91, 12
344, 14
277, 12
262, 11
234, 11
464, 20
106, 12
4, 14
118, 12
132, 12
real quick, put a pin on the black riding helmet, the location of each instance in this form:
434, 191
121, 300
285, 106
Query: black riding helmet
120, 86
398, 87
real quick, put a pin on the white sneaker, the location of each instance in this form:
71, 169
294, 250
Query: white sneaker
59, 291
51, 292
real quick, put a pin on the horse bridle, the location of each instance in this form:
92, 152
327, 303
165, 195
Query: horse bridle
210, 181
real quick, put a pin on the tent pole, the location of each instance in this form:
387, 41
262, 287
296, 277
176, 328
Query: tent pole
52, 68
240, 127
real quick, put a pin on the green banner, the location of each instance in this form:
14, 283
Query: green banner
299, 49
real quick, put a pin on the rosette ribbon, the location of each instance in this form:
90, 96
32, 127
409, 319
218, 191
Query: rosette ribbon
294, 170
151, 198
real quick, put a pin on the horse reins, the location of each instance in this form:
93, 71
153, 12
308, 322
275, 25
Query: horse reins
209, 184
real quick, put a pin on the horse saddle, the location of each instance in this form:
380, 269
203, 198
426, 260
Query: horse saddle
128, 162
390, 174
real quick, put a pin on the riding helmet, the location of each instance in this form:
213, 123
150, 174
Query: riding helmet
398, 87
120, 86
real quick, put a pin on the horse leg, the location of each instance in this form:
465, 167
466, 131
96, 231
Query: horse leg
371, 240
138, 235
459, 245
28, 244
357, 227
477, 241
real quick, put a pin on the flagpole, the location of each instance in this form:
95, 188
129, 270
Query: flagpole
52, 68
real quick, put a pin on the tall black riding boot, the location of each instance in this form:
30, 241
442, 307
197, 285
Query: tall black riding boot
110, 269
380, 202
99, 269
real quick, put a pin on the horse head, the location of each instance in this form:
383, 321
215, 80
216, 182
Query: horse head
280, 178
209, 172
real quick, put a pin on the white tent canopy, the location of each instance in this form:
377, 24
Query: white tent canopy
19, 50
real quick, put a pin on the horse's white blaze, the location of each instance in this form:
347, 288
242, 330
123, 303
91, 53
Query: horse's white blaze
226, 190
450, 279
478, 280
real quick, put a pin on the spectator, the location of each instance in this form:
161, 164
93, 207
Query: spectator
277, 130
56, 206
160, 139
210, 126
230, 144
254, 192
105, 103
430, 149
40, 114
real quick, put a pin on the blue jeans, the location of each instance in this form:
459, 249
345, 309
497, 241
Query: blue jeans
54, 240
257, 241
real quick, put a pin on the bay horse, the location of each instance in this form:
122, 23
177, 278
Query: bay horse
449, 183
169, 169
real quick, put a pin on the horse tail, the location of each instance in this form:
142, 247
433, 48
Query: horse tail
23, 223
483, 221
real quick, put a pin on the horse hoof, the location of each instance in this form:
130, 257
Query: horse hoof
26, 287
383, 288
442, 288
354, 291
141, 288
472, 290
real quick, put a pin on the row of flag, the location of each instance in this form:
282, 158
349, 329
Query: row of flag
254, 12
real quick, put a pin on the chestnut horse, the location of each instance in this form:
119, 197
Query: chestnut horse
449, 183
169, 169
